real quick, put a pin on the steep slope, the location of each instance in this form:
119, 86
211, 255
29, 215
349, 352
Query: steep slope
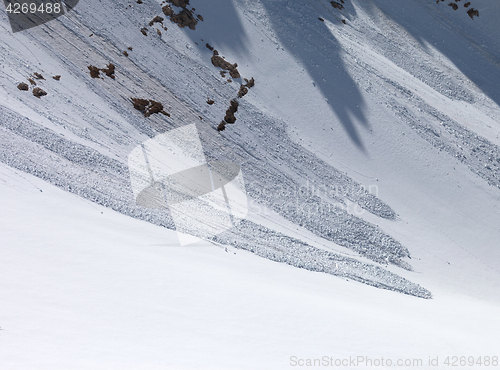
370, 151
388, 101
103, 127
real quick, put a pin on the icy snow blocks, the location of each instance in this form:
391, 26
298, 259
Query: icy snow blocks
25, 14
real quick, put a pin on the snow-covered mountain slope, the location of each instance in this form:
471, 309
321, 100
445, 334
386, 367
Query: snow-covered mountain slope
84, 287
370, 148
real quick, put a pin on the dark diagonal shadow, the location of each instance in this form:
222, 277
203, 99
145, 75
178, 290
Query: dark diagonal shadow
308, 39
469, 44
221, 26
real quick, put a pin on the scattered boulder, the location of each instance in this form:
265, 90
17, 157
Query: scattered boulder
185, 19
148, 106
125, 53
453, 6
473, 13
109, 70
156, 19
38, 76
94, 71
250, 83
180, 3
233, 108
23, 86
321, 19
466, 5
209, 101
168, 11
57, 78
209, 47
220, 62
31, 81
222, 126
243, 91
38, 92
140, 104
144, 31
337, 5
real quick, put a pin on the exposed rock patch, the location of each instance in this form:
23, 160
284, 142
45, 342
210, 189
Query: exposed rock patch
184, 18
156, 19
473, 13
108, 71
38, 92
148, 106
23, 86
220, 62
337, 5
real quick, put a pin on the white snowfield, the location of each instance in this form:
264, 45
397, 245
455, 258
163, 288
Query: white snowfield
370, 153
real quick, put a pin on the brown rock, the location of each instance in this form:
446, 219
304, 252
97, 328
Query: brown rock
57, 78
167, 10
23, 86
185, 19
337, 5
250, 83
109, 71
243, 91
156, 19
38, 92
94, 71
180, 3
473, 13
222, 126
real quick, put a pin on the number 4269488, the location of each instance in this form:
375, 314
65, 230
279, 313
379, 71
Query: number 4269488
471, 361
25, 8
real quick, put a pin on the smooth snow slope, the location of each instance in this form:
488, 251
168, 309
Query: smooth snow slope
84, 287
401, 99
